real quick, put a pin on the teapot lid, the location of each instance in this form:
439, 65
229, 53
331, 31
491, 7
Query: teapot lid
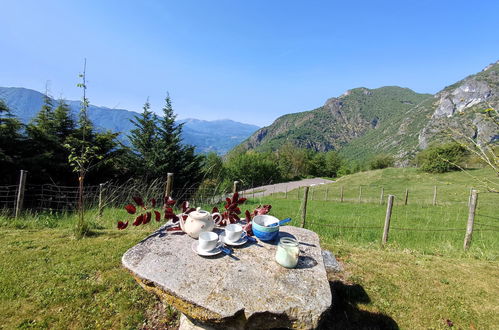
199, 214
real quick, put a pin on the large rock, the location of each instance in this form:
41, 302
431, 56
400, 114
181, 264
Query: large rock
248, 291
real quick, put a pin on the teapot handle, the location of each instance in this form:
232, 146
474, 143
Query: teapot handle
217, 218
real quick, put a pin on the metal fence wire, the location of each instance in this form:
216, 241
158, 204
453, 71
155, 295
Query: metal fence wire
50, 197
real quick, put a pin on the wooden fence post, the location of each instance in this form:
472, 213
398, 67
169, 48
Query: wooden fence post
471, 219
341, 194
304, 207
327, 193
234, 187
382, 195
406, 196
434, 195
312, 195
20, 193
387, 220
101, 199
360, 194
469, 198
169, 184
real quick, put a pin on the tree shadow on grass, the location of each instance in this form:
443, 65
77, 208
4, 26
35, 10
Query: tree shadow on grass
344, 313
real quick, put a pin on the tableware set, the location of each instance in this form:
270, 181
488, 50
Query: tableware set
200, 224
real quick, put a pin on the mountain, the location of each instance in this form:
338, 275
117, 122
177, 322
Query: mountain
218, 136
460, 107
393, 120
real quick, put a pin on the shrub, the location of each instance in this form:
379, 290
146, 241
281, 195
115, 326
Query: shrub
441, 158
381, 161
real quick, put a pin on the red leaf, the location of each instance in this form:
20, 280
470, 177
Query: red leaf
237, 210
232, 206
130, 209
189, 210
228, 200
122, 225
138, 201
248, 216
157, 215
185, 206
215, 210
248, 229
235, 197
169, 201
235, 217
175, 228
138, 220
449, 323
241, 200
147, 218
153, 202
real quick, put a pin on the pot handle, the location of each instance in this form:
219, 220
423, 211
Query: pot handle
217, 217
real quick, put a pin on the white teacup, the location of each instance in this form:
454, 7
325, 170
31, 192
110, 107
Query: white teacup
233, 232
207, 240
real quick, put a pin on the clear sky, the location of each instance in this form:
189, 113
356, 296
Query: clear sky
249, 61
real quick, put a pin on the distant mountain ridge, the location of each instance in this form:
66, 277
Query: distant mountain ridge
218, 136
364, 122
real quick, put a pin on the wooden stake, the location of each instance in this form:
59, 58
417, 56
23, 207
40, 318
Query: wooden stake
20, 193
169, 185
387, 220
382, 195
406, 196
312, 196
471, 219
341, 194
101, 200
360, 194
234, 187
304, 207
434, 195
469, 198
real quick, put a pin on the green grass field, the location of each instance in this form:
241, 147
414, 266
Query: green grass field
420, 279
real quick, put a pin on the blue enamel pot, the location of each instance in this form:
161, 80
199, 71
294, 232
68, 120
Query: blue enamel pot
261, 226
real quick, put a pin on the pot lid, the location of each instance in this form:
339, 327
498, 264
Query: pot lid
199, 214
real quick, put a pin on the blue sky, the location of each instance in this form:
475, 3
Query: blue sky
250, 61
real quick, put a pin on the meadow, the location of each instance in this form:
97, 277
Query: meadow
421, 279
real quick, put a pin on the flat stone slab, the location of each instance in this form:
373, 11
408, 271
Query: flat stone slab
247, 291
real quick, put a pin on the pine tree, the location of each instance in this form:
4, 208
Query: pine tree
172, 155
144, 139
11, 142
63, 123
44, 120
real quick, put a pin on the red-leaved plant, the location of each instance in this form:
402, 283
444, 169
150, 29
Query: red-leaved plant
230, 215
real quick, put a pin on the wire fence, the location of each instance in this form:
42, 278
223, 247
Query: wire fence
54, 198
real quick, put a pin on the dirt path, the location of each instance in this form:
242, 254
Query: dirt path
285, 186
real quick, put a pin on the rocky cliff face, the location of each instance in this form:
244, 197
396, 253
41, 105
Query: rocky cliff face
459, 109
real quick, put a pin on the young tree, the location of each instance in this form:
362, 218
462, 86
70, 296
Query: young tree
82, 153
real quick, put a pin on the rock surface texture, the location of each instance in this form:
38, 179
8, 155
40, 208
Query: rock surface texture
246, 291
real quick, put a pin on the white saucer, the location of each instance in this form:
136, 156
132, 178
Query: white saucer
240, 241
213, 252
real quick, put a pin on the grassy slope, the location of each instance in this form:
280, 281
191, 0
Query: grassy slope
47, 279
